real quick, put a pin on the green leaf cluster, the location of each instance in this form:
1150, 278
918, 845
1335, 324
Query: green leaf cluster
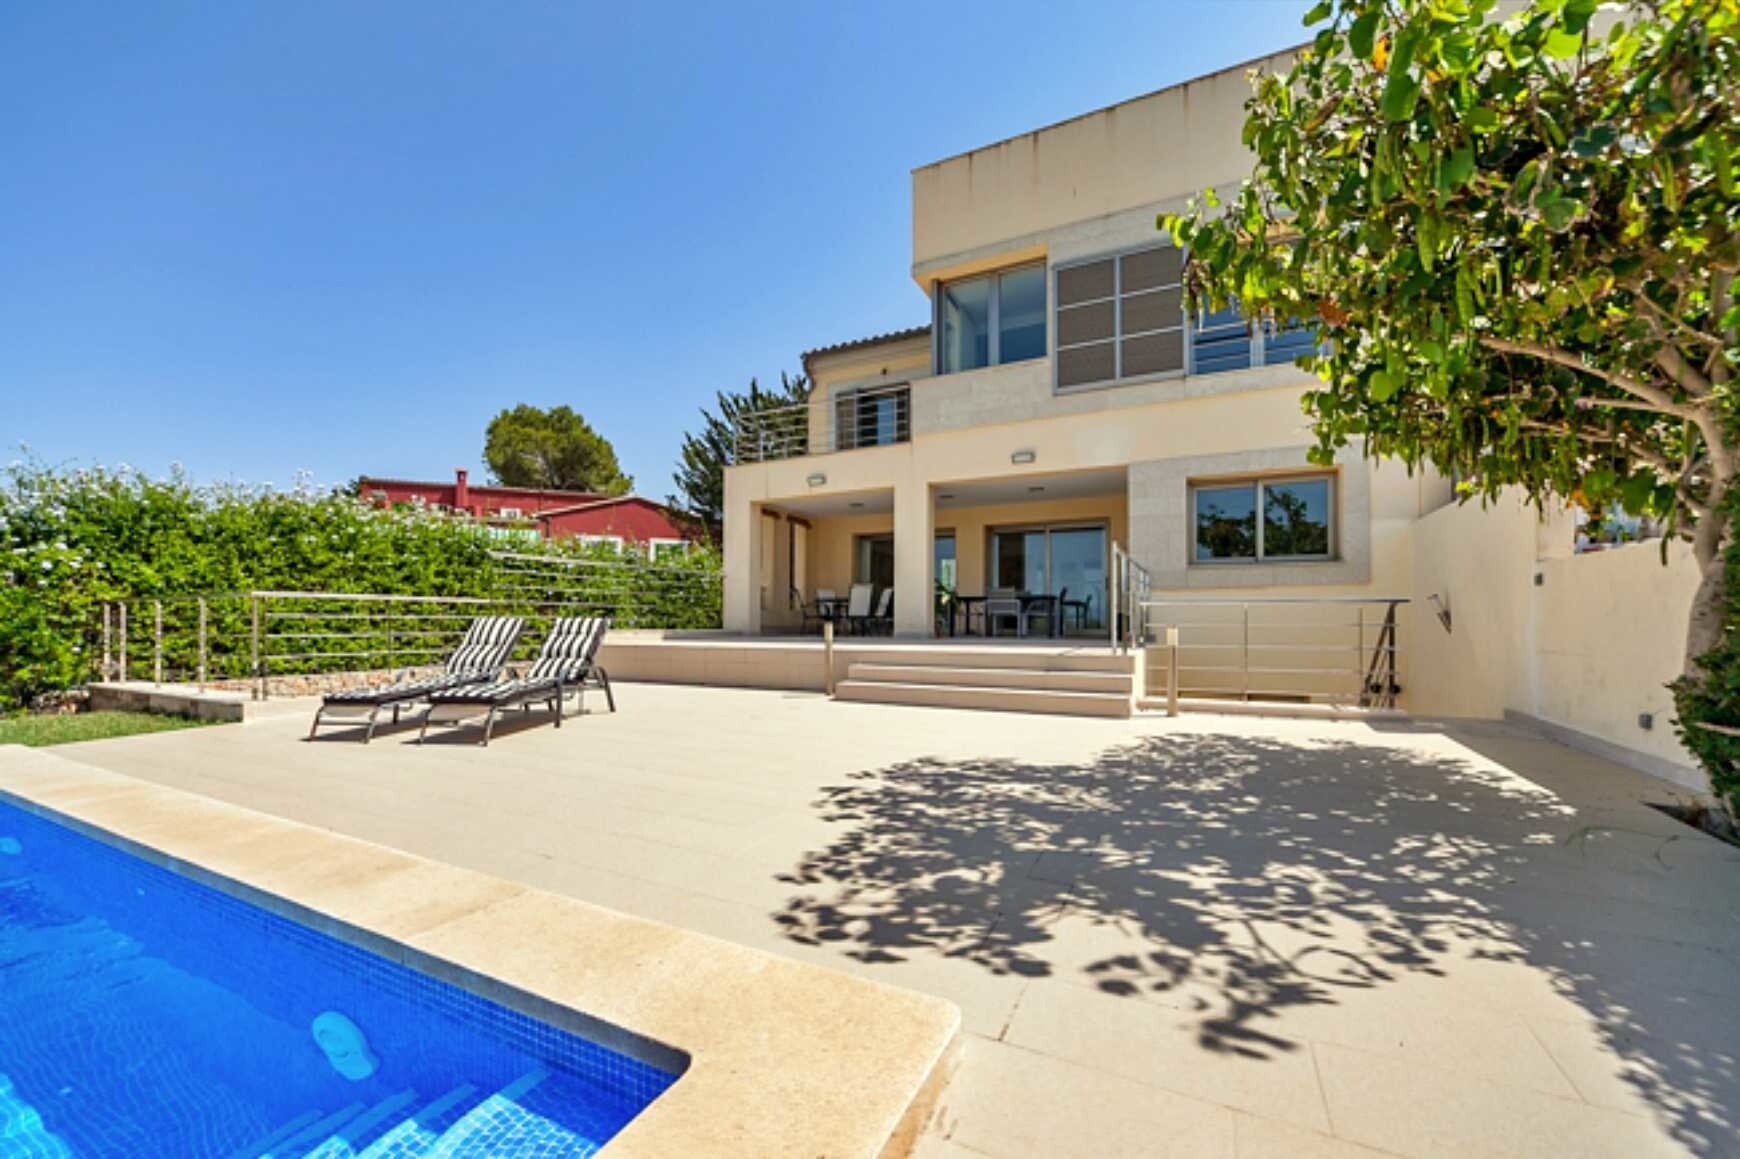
71, 539
1516, 236
555, 449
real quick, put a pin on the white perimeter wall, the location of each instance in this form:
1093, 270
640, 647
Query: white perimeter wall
1588, 648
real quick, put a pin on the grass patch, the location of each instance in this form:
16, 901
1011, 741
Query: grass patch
66, 728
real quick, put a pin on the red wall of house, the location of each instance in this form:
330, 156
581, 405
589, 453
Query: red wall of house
479, 499
632, 518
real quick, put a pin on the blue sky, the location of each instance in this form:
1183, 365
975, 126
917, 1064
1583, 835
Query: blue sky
338, 237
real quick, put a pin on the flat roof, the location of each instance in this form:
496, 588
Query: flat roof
1255, 60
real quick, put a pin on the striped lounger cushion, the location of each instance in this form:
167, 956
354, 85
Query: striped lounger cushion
479, 656
567, 655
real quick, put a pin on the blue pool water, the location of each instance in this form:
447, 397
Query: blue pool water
146, 1014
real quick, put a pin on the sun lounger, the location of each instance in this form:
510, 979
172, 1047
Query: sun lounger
478, 659
567, 663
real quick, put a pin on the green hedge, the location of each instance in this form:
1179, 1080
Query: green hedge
72, 539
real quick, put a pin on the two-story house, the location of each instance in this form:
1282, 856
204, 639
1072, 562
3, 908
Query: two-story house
1061, 401
1064, 423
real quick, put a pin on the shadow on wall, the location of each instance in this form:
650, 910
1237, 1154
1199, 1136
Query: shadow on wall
1243, 877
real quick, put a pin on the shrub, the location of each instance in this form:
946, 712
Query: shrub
71, 539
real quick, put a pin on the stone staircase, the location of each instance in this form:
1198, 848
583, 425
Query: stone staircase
461, 1124
1081, 682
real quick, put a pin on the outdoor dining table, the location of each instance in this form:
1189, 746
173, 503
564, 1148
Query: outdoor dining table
1028, 600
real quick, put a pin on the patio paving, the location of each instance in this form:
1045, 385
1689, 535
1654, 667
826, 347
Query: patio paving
1205, 936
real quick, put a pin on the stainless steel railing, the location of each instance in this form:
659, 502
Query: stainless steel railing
862, 418
1331, 649
1129, 587
247, 638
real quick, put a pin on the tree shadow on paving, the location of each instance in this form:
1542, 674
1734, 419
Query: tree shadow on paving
1237, 878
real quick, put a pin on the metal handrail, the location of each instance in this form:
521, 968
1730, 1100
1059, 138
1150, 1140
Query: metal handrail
1130, 586
1372, 643
255, 635
814, 428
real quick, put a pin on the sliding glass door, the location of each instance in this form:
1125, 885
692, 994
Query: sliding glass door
1067, 561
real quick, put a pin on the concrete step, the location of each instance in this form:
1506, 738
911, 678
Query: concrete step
1036, 678
1011, 655
996, 699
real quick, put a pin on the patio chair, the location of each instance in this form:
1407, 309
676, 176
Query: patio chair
488, 643
882, 620
1082, 608
1047, 611
858, 607
816, 613
1003, 604
566, 663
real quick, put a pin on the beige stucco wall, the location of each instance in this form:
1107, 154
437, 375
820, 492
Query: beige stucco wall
1247, 424
883, 364
997, 199
1587, 648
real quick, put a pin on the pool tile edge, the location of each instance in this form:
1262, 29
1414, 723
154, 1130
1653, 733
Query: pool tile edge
785, 1057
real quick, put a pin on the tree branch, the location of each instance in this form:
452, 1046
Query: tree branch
1690, 378
1647, 392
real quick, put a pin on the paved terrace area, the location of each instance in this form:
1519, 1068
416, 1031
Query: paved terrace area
1202, 937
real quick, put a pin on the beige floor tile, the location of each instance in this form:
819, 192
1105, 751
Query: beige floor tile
1243, 895
1259, 1138
1167, 1049
1423, 1111
1011, 1102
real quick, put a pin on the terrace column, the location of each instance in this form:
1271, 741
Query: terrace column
742, 611
914, 559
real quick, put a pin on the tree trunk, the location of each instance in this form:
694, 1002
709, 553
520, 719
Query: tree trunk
1706, 624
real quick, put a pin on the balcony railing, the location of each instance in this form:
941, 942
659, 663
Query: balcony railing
860, 418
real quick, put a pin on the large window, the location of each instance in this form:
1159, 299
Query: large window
1120, 317
1065, 561
1263, 519
874, 562
990, 320
943, 559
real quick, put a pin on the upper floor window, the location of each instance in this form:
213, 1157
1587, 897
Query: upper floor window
872, 417
1120, 317
990, 320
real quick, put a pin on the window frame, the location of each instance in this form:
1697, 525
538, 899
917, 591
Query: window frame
898, 394
993, 317
1260, 483
1116, 257
1188, 326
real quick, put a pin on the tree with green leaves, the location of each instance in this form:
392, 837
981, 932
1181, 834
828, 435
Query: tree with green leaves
554, 449
700, 474
1516, 238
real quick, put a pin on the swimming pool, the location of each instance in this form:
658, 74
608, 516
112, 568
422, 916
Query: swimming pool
143, 1013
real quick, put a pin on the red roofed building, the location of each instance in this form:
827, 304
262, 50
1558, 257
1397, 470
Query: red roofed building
549, 514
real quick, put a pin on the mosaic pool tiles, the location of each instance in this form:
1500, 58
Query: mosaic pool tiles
90, 924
